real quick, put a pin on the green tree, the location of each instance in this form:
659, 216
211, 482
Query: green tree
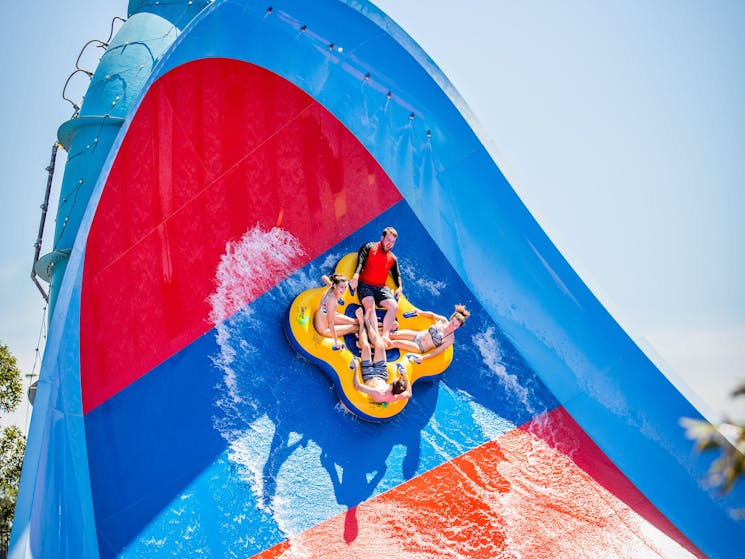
728, 438
12, 441
10, 381
12, 447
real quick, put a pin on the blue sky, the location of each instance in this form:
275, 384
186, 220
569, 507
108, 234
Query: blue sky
620, 124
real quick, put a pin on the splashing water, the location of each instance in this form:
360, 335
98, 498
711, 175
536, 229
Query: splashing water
491, 355
256, 278
423, 285
250, 267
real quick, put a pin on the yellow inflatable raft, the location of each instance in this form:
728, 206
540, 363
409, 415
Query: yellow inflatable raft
338, 363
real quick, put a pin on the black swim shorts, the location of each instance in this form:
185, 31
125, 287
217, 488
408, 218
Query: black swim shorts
380, 294
372, 370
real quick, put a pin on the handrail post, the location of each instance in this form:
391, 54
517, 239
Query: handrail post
43, 219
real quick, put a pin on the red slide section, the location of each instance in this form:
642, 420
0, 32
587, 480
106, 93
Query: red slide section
542, 491
217, 147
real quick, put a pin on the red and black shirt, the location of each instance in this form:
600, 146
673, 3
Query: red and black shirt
373, 265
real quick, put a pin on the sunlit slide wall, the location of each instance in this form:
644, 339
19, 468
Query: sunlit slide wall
271, 140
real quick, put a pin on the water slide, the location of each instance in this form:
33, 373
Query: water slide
174, 419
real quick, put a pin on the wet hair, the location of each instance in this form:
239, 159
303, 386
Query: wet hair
461, 314
389, 230
336, 279
398, 386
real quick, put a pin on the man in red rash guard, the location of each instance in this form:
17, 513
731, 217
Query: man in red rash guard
374, 262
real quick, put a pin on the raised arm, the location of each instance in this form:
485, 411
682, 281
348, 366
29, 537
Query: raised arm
361, 260
432, 315
396, 275
406, 393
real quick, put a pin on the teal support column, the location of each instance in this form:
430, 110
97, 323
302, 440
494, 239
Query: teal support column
116, 84
54, 511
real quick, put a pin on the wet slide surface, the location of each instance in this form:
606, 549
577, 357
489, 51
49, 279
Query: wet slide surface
207, 435
173, 417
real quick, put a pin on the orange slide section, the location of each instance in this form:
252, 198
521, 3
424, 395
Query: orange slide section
522, 495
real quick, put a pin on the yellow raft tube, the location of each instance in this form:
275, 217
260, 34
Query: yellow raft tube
337, 363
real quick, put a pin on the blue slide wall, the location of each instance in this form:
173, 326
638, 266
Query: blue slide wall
161, 456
